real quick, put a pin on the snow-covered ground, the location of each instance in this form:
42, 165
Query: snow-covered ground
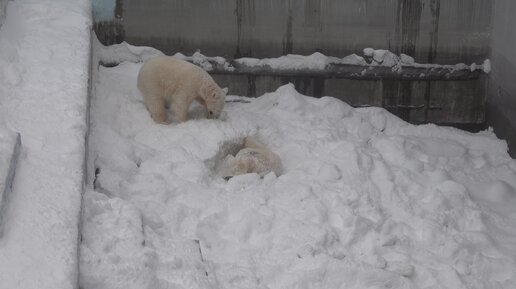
44, 67
365, 200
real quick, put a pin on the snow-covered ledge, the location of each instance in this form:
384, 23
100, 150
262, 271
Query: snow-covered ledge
376, 64
44, 73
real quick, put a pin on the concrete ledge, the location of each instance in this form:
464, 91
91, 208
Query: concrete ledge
45, 100
10, 143
350, 71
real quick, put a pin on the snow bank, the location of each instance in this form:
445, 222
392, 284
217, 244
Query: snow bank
44, 68
117, 53
365, 200
205, 62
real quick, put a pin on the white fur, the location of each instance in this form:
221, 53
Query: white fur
253, 158
165, 81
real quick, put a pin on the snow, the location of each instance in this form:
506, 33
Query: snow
369, 52
372, 57
204, 61
353, 59
291, 61
486, 66
124, 51
365, 200
382, 57
44, 68
316, 61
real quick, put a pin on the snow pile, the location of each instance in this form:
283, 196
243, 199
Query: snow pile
365, 200
44, 68
372, 57
486, 66
386, 58
114, 54
382, 57
316, 61
352, 59
204, 61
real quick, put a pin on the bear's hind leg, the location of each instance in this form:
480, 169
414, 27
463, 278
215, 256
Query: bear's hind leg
156, 107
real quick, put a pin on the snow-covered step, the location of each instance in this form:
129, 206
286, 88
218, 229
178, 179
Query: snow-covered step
10, 143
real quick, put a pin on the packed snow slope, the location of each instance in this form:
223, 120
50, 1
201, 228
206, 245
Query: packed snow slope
44, 68
366, 200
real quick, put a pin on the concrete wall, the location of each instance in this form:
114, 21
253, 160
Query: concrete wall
443, 102
434, 31
501, 104
3, 7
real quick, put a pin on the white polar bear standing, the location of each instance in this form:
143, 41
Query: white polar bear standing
166, 81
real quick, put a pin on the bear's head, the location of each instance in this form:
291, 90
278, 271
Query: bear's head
214, 97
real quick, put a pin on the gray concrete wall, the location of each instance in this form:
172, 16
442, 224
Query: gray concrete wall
501, 104
434, 31
443, 102
3, 7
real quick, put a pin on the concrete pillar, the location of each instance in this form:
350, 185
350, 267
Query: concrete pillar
501, 100
3, 7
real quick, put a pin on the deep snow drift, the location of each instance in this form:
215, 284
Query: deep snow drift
365, 200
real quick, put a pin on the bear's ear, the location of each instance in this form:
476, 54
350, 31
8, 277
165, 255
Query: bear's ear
225, 90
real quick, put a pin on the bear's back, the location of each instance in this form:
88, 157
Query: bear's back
167, 73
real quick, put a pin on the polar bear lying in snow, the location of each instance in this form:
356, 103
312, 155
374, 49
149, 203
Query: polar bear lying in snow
165, 81
253, 158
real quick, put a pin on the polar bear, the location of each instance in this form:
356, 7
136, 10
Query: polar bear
169, 82
254, 157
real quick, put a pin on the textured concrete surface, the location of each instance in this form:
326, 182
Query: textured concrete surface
501, 100
433, 31
3, 6
443, 102
10, 143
